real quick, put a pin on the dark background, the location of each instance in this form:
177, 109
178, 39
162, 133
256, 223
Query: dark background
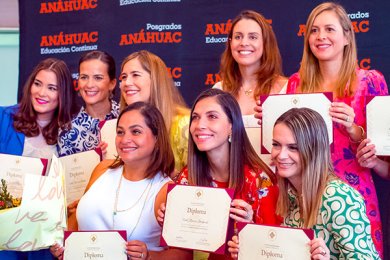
192, 59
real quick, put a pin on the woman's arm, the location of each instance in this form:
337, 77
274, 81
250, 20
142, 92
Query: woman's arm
345, 226
367, 158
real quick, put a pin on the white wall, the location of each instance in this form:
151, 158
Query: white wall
9, 66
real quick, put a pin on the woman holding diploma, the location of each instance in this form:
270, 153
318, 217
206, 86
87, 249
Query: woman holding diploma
96, 86
367, 158
31, 127
300, 151
329, 65
220, 155
144, 77
124, 194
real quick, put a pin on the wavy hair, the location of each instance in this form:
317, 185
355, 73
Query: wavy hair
25, 119
270, 62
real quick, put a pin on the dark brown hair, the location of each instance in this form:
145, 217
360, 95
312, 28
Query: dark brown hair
241, 150
25, 119
270, 62
162, 158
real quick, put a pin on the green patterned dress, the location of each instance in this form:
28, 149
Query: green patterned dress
342, 222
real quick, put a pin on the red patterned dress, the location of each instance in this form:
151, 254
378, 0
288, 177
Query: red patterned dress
258, 190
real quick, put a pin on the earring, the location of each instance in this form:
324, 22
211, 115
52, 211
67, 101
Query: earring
230, 138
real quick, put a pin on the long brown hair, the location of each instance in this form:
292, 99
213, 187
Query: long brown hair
241, 150
309, 73
270, 62
162, 157
311, 136
163, 93
25, 119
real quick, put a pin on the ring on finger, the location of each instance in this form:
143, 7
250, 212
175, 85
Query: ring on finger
323, 252
347, 118
142, 255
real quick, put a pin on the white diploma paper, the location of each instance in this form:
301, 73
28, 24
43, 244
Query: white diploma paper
378, 124
40, 220
108, 134
196, 218
104, 245
275, 105
78, 168
268, 242
13, 168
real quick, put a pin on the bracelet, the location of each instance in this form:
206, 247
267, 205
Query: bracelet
362, 136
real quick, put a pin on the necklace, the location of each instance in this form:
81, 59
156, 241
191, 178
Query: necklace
116, 210
248, 92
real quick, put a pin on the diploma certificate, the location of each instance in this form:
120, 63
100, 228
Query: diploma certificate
104, 245
108, 134
13, 168
269, 242
196, 218
78, 168
275, 105
378, 124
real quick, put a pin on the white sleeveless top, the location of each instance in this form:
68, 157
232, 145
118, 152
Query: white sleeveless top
95, 210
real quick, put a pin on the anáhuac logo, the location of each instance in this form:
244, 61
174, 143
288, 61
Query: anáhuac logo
67, 6
69, 42
176, 73
212, 78
217, 32
360, 23
155, 33
132, 2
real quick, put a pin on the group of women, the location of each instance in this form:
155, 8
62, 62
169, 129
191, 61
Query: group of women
157, 137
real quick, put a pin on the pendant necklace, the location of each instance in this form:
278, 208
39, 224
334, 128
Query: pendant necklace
248, 92
116, 210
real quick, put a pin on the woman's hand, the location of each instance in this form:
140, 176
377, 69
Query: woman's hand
103, 147
342, 113
241, 211
72, 207
258, 111
233, 247
136, 249
161, 214
318, 249
345, 115
57, 251
366, 154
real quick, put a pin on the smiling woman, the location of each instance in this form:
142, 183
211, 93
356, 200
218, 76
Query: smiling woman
31, 127
144, 77
124, 194
96, 83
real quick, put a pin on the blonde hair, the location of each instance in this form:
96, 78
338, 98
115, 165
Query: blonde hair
309, 73
311, 136
163, 93
270, 62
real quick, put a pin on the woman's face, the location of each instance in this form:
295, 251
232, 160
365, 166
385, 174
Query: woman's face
135, 82
134, 140
95, 83
210, 126
44, 94
327, 39
285, 154
247, 43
